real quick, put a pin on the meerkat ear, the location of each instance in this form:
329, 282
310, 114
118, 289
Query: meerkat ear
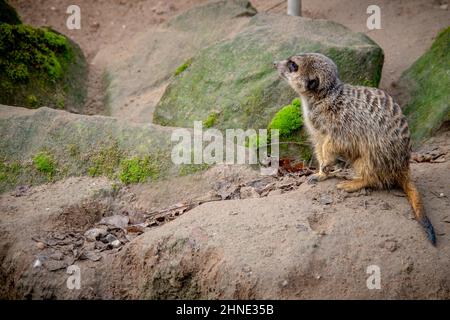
312, 84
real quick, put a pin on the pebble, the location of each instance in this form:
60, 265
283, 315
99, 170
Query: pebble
325, 199
110, 238
115, 243
37, 263
94, 234
40, 245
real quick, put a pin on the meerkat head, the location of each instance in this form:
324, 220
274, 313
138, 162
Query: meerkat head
309, 74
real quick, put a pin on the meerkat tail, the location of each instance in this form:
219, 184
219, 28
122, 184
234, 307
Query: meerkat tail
417, 205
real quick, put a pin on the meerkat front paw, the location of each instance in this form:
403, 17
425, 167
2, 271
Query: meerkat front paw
317, 177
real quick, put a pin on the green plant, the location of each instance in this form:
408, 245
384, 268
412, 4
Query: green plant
32, 101
183, 67
288, 120
138, 170
43, 162
38, 67
209, 122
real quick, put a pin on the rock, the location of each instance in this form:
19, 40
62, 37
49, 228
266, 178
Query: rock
54, 265
252, 92
79, 144
424, 87
248, 192
89, 255
40, 245
158, 58
116, 221
37, 263
95, 234
46, 68
116, 243
325, 199
110, 238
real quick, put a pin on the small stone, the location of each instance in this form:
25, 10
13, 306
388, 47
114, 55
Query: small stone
444, 6
40, 245
441, 195
95, 234
110, 238
284, 283
116, 243
37, 263
325, 199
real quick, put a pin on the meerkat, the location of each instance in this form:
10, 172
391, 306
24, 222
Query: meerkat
360, 124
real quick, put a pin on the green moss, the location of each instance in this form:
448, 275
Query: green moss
138, 170
288, 120
427, 84
105, 161
183, 67
44, 162
8, 14
39, 62
209, 122
32, 101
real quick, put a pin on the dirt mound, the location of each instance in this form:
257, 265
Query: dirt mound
295, 241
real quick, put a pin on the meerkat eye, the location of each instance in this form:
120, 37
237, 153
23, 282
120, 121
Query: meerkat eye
292, 66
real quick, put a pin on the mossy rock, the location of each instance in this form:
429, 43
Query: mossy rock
156, 56
34, 152
235, 79
425, 89
40, 67
8, 14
